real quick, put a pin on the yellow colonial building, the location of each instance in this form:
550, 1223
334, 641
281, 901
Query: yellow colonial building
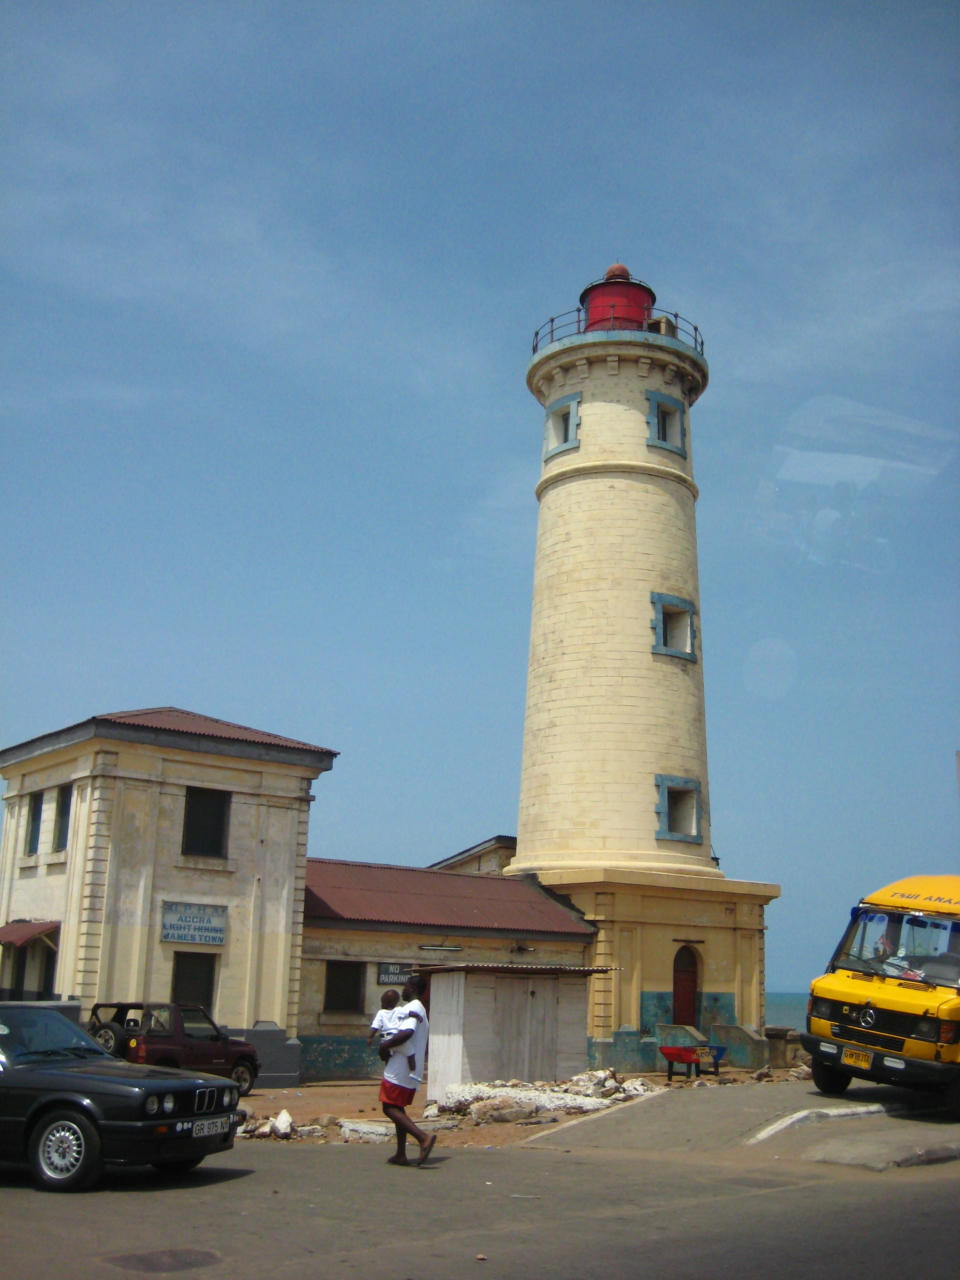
614, 799
158, 855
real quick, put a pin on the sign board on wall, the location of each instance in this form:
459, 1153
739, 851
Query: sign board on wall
392, 975
194, 923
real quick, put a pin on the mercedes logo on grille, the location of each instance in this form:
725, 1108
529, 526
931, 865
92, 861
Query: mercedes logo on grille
867, 1018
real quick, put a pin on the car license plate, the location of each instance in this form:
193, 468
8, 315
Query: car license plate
856, 1058
205, 1128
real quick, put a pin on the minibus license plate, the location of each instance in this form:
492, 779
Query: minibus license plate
205, 1128
857, 1058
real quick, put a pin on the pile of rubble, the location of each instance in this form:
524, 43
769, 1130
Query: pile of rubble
518, 1101
282, 1126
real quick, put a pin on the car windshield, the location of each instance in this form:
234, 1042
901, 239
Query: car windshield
902, 945
27, 1032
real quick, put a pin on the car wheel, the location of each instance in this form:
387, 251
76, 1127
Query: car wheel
109, 1036
828, 1079
171, 1168
243, 1077
65, 1151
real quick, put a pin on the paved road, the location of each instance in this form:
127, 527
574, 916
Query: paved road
292, 1211
713, 1120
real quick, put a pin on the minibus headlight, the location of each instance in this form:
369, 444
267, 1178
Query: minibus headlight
821, 1008
926, 1029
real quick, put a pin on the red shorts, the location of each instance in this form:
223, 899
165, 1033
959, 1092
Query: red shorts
395, 1095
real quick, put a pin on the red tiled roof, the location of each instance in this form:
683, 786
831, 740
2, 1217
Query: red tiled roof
411, 895
177, 721
22, 932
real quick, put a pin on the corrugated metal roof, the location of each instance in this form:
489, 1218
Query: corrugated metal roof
530, 969
177, 721
22, 932
374, 892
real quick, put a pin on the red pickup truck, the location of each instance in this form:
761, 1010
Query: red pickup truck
174, 1035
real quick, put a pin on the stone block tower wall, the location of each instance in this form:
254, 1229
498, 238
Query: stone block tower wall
614, 769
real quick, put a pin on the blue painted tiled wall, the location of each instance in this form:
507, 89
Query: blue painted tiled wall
338, 1058
712, 1006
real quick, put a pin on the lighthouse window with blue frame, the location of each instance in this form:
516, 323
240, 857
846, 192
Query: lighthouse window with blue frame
679, 808
667, 423
562, 428
673, 626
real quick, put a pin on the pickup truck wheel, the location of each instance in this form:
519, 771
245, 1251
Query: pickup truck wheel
828, 1079
109, 1035
243, 1077
65, 1151
172, 1168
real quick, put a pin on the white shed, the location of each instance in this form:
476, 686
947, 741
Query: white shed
505, 1022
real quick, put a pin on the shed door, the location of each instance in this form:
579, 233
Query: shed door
685, 988
525, 1026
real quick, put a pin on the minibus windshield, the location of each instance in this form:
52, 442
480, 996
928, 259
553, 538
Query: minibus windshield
902, 945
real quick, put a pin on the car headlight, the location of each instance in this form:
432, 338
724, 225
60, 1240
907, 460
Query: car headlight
169, 1102
228, 1097
153, 1104
821, 1008
926, 1029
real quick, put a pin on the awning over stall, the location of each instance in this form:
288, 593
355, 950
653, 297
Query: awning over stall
22, 932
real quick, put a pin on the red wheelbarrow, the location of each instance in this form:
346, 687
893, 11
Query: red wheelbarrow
693, 1055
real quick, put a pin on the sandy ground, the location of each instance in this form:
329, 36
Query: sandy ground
357, 1100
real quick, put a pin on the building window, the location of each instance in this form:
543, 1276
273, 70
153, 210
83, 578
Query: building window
33, 823
344, 989
205, 823
667, 423
679, 809
562, 429
64, 803
674, 629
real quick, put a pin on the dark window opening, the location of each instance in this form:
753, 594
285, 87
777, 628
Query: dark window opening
565, 427
36, 813
344, 989
676, 630
64, 804
49, 973
193, 978
682, 811
663, 423
205, 823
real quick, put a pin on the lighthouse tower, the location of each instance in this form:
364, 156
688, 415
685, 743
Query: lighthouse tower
614, 796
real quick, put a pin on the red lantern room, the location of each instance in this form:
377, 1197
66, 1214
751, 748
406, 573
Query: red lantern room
617, 301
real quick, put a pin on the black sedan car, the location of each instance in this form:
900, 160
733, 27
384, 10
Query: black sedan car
67, 1107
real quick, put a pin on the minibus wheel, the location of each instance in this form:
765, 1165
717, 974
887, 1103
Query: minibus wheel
828, 1079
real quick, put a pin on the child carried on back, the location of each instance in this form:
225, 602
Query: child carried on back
388, 1020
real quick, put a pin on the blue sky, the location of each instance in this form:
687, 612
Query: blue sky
271, 273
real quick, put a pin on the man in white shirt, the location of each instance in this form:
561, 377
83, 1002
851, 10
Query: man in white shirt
400, 1079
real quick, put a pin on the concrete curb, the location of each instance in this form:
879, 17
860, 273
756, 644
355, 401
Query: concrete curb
872, 1155
814, 1113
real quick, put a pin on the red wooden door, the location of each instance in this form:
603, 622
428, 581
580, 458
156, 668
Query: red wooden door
685, 988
